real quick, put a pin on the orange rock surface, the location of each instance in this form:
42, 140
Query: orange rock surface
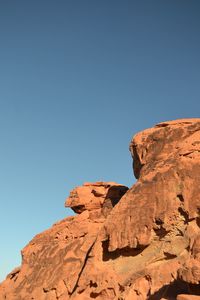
188, 297
133, 244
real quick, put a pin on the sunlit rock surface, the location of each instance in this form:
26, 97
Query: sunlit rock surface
133, 244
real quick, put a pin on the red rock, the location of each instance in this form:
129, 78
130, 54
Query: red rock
188, 297
53, 261
142, 243
93, 196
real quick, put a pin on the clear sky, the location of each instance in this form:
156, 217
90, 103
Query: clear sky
77, 80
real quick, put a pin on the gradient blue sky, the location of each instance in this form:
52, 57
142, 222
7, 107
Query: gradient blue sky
78, 79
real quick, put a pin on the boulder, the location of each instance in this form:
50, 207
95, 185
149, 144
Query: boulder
101, 196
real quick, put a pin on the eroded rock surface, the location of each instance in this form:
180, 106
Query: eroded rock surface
136, 244
53, 261
102, 196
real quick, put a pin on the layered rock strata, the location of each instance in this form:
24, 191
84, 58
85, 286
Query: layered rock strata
133, 244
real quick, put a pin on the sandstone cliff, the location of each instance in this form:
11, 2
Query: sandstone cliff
133, 244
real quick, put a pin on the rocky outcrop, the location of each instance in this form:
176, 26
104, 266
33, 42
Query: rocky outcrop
99, 197
136, 244
54, 260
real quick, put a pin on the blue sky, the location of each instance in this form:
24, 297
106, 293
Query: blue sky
78, 79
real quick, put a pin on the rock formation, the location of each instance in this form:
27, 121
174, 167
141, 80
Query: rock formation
133, 244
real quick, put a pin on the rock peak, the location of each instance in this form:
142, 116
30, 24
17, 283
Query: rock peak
165, 142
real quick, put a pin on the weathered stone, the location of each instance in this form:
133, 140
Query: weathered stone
54, 260
188, 297
93, 196
136, 244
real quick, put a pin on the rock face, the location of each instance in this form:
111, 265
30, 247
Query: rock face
136, 244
